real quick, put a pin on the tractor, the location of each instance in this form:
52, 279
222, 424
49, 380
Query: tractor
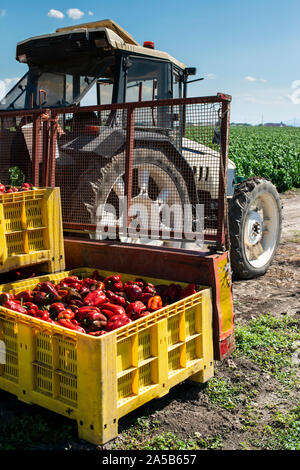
100, 63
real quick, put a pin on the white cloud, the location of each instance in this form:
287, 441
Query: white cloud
6, 84
264, 96
210, 76
10, 81
55, 14
295, 96
90, 13
250, 79
3, 12
75, 13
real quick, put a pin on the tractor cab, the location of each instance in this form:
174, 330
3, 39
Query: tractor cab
94, 63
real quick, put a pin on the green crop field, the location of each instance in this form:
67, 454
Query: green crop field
270, 152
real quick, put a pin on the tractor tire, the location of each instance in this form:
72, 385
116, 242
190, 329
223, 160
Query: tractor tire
157, 173
255, 221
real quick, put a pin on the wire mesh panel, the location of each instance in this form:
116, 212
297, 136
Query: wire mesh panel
176, 166
87, 143
144, 172
15, 146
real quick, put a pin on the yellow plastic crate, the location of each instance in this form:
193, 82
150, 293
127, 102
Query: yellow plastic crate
97, 380
31, 230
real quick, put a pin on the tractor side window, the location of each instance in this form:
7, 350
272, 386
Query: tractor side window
100, 93
53, 84
105, 91
145, 80
16, 97
62, 89
176, 85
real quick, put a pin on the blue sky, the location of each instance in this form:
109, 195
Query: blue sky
249, 49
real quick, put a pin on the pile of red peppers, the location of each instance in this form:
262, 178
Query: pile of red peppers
16, 189
94, 305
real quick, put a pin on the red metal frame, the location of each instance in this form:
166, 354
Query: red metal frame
129, 159
222, 202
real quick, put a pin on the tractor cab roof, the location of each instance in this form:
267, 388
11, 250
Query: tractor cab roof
87, 38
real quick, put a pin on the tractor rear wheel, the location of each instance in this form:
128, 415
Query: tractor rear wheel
156, 182
255, 227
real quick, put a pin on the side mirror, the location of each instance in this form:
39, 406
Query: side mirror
191, 71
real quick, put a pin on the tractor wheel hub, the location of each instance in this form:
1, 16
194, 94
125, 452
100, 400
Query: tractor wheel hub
255, 228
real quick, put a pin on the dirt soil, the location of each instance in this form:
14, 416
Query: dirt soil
187, 410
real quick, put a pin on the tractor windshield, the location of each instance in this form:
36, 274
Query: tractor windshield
48, 89
15, 98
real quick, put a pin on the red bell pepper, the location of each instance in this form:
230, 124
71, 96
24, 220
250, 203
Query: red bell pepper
76, 303
46, 316
31, 312
100, 285
134, 309
97, 333
96, 321
109, 309
83, 312
115, 299
39, 298
68, 314
155, 303
161, 289
149, 289
145, 297
56, 308
188, 290
139, 283
172, 292
133, 291
95, 298
39, 313
12, 305
48, 288
140, 315
113, 283
116, 321
42, 314
72, 282
5, 297
88, 282
85, 291
69, 324
96, 316
30, 306
70, 279
25, 295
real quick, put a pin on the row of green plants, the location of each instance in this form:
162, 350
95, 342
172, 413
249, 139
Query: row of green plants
269, 152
